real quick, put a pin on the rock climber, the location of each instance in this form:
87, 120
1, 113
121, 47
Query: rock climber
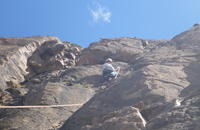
109, 72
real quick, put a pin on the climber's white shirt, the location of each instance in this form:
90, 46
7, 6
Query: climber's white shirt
108, 66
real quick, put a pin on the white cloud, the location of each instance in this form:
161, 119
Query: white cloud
100, 13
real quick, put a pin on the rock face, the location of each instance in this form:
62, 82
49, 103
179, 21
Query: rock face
157, 89
185, 115
31, 59
55, 88
120, 49
14, 53
25, 57
163, 78
53, 55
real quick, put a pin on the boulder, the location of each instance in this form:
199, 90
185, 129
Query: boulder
52, 55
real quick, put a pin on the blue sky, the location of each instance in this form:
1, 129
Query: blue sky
86, 21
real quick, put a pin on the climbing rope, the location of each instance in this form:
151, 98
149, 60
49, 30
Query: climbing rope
41, 106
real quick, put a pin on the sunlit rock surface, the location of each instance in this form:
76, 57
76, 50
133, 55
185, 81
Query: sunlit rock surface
157, 89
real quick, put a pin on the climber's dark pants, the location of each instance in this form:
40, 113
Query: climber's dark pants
109, 74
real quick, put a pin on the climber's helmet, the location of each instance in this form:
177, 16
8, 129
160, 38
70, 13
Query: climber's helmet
109, 60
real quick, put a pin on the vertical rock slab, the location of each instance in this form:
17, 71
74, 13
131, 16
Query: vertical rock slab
14, 53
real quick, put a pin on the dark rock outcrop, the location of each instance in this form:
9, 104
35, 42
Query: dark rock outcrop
52, 55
